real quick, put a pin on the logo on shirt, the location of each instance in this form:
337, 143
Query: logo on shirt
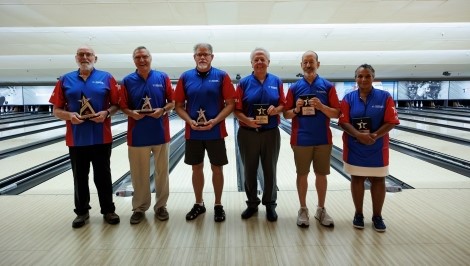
213, 80
157, 85
377, 106
272, 87
97, 82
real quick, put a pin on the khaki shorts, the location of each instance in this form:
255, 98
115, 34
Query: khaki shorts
318, 156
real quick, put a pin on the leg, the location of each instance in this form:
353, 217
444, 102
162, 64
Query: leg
198, 181
161, 175
302, 187
248, 144
270, 146
80, 168
357, 191
321, 184
101, 156
139, 161
217, 182
377, 191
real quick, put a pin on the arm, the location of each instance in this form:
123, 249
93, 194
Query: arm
66, 115
364, 138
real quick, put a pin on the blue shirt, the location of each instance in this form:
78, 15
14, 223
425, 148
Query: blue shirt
148, 130
312, 130
206, 91
379, 106
100, 88
251, 91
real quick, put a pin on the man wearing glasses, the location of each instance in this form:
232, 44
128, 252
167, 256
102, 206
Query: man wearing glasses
204, 97
85, 99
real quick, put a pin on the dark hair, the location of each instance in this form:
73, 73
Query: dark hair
365, 66
140, 48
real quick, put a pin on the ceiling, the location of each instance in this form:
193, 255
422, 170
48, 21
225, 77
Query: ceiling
408, 39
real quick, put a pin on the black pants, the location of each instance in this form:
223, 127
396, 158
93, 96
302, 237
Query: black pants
99, 156
254, 147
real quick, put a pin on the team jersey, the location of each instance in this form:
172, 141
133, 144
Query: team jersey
380, 107
133, 94
251, 91
207, 91
101, 90
312, 130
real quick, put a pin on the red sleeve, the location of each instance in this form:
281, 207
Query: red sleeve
228, 91
123, 98
179, 95
289, 100
238, 98
114, 91
282, 96
391, 115
57, 97
344, 112
168, 90
333, 98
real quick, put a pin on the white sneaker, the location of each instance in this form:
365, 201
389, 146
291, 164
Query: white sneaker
323, 217
302, 218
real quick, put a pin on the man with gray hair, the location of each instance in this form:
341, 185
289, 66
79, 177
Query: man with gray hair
204, 97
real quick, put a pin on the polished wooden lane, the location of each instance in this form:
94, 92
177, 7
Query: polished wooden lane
425, 227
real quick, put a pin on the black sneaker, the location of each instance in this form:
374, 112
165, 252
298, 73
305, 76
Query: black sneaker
248, 212
271, 214
358, 221
111, 218
195, 211
378, 224
80, 220
219, 213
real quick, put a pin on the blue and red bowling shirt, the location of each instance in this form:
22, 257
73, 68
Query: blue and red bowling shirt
312, 130
251, 91
101, 90
157, 90
380, 107
207, 91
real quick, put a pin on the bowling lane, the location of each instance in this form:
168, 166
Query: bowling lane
463, 123
41, 155
414, 171
63, 183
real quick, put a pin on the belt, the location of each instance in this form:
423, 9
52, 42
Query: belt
260, 129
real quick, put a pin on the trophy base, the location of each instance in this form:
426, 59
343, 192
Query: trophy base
147, 111
308, 110
89, 116
262, 119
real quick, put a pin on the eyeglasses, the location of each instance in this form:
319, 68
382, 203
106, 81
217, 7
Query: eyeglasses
203, 55
144, 57
85, 54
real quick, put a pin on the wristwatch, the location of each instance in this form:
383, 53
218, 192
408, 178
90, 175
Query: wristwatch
109, 113
293, 111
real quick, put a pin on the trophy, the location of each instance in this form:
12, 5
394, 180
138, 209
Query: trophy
261, 114
146, 106
201, 119
86, 110
307, 109
362, 124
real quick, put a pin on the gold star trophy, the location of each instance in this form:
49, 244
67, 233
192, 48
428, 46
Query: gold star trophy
86, 109
201, 119
261, 114
363, 124
146, 106
307, 109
